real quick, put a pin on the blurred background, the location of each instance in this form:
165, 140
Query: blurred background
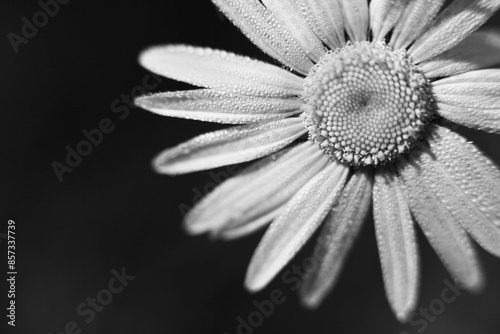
112, 214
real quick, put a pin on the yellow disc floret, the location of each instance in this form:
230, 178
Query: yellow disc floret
366, 104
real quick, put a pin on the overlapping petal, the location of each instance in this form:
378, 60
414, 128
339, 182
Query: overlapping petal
233, 210
271, 195
337, 236
356, 18
220, 70
287, 12
449, 240
480, 50
220, 107
384, 14
396, 242
229, 146
474, 173
326, 20
265, 31
296, 223
460, 207
453, 25
199, 219
471, 99
415, 19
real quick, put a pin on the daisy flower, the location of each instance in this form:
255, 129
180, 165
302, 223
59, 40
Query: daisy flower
352, 120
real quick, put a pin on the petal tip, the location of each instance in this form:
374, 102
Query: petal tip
476, 285
161, 166
141, 102
403, 315
254, 282
147, 57
310, 302
190, 228
197, 222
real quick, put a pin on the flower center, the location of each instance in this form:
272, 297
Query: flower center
366, 104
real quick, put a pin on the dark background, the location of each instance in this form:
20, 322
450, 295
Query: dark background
112, 211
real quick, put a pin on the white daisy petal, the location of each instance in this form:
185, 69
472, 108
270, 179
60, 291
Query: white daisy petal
196, 220
485, 75
471, 99
449, 240
229, 146
356, 18
288, 13
265, 31
257, 195
475, 174
297, 222
396, 243
453, 25
325, 18
220, 70
479, 50
337, 236
440, 181
212, 106
270, 193
383, 16
415, 19
487, 120
241, 230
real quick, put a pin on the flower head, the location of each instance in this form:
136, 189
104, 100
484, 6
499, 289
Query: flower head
355, 123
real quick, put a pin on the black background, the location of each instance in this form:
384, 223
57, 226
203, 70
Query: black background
114, 212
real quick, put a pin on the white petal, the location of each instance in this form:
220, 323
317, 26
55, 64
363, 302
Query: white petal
273, 192
212, 106
229, 146
453, 25
220, 70
356, 18
476, 175
383, 16
337, 236
325, 18
265, 31
297, 222
396, 243
415, 19
478, 89
288, 13
480, 50
449, 240
439, 180
486, 75
471, 99
249, 227
487, 120
198, 219
257, 195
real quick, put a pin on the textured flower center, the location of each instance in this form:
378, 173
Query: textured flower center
366, 104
